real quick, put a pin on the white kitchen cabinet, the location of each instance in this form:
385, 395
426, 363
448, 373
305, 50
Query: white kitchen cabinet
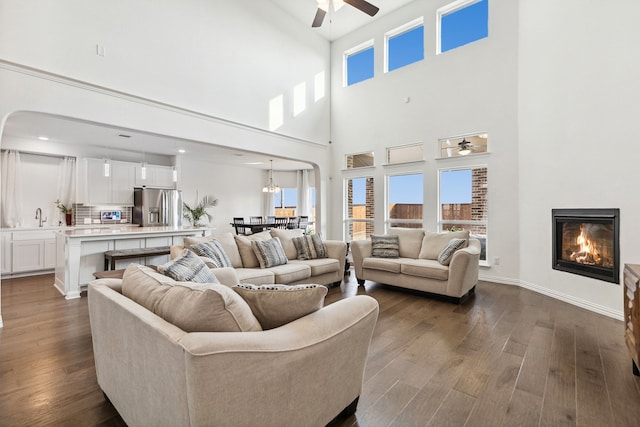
157, 176
32, 251
5, 261
115, 189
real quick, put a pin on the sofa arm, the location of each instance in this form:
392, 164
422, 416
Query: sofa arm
360, 249
463, 269
283, 372
337, 249
226, 276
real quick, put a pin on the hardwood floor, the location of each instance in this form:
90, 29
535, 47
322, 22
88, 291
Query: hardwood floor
506, 357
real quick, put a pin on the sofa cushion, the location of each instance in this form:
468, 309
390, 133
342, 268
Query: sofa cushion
247, 254
286, 239
391, 265
227, 241
188, 268
433, 243
256, 276
269, 252
214, 251
410, 240
449, 249
386, 246
320, 265
310, 247
192, 307
290, 272
277, 305
425, 268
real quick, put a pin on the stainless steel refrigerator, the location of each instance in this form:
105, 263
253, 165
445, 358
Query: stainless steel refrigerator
157, 207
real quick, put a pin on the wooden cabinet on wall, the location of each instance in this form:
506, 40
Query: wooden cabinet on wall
632, 313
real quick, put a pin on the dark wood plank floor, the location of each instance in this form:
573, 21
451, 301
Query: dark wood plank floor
506, 357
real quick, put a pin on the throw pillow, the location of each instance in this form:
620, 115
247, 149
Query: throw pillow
286, 240
277, 305
214, 251
269, 252
245, 249
387, 246
192, 307
449, 249
188, 268
433, 243
310, 247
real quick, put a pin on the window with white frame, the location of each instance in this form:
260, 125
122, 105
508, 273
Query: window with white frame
404, 45
405, 154
462, 201
358, 63
405, 200
460, 23
359, 212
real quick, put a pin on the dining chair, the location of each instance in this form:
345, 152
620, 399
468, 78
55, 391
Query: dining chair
238, 223
281, 221
255, 220
294, 222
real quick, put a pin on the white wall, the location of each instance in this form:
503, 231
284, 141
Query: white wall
577, 113
469, 89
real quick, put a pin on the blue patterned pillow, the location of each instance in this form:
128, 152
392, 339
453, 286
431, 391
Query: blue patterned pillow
449, 249
387, 246
310, 247
269, 252
214, 251
188, 268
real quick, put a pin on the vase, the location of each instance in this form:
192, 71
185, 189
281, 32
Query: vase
68, 218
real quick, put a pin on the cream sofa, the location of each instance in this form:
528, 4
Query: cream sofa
303, 373
323, 271
418, 267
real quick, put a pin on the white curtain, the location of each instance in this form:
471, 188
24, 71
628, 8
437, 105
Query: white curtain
11, 189
66, 183
304, 193
268, 207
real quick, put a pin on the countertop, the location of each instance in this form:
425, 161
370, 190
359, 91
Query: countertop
132, 230
65, 227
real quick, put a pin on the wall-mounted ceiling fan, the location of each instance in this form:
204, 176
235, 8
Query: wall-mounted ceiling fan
323, 8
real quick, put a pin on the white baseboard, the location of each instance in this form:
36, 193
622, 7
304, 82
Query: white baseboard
587, 305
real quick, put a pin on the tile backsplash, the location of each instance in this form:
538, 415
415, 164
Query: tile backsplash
81, 212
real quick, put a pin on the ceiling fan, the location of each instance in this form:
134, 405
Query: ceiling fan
323, 8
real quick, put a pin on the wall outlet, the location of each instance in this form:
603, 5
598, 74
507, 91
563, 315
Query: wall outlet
496, 260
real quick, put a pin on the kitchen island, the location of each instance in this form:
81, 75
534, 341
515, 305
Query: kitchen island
80, 252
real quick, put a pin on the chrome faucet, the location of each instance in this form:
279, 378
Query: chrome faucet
39, 217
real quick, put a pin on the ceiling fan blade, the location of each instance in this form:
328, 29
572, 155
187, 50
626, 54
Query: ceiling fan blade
364, 6
317, 21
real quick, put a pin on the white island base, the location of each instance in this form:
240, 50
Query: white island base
80, 253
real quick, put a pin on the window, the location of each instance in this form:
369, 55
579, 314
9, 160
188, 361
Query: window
360, 160
358, 63
285, 202
405, 200
463, 202
463, 145
359, 213
405, 154
404, 45
462, 22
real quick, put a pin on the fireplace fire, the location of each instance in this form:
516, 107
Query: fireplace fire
586, 242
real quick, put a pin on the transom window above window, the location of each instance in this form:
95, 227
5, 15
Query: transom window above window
404, 45
463, 145
405, 154
358, 63
360, 160
462, 22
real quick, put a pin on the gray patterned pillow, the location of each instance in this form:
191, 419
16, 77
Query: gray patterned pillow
276, 305
214, 251
269, 252
188, 268
387, 246
449, 249
310, 247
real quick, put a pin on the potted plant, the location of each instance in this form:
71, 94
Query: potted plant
195, 213
66, 211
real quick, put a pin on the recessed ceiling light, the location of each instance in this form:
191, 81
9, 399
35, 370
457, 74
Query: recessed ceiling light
43, 138
254, 163
182, 151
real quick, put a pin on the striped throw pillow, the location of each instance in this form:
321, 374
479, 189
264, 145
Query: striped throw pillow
449, 249
310, 247
188, 268
269, 252
387, 246
214, 251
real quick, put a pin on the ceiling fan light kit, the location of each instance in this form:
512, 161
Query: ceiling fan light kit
464, 147
324, 5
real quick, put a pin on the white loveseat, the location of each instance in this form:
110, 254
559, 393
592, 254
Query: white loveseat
417, 266
323, 271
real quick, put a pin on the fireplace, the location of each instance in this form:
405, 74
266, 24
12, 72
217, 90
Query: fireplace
587, 242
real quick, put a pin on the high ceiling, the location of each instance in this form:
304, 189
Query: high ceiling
342, 22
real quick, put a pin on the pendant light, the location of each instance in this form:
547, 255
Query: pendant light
271, 187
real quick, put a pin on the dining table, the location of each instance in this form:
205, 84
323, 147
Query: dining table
251, 228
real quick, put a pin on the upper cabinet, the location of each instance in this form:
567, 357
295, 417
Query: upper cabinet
156, 176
